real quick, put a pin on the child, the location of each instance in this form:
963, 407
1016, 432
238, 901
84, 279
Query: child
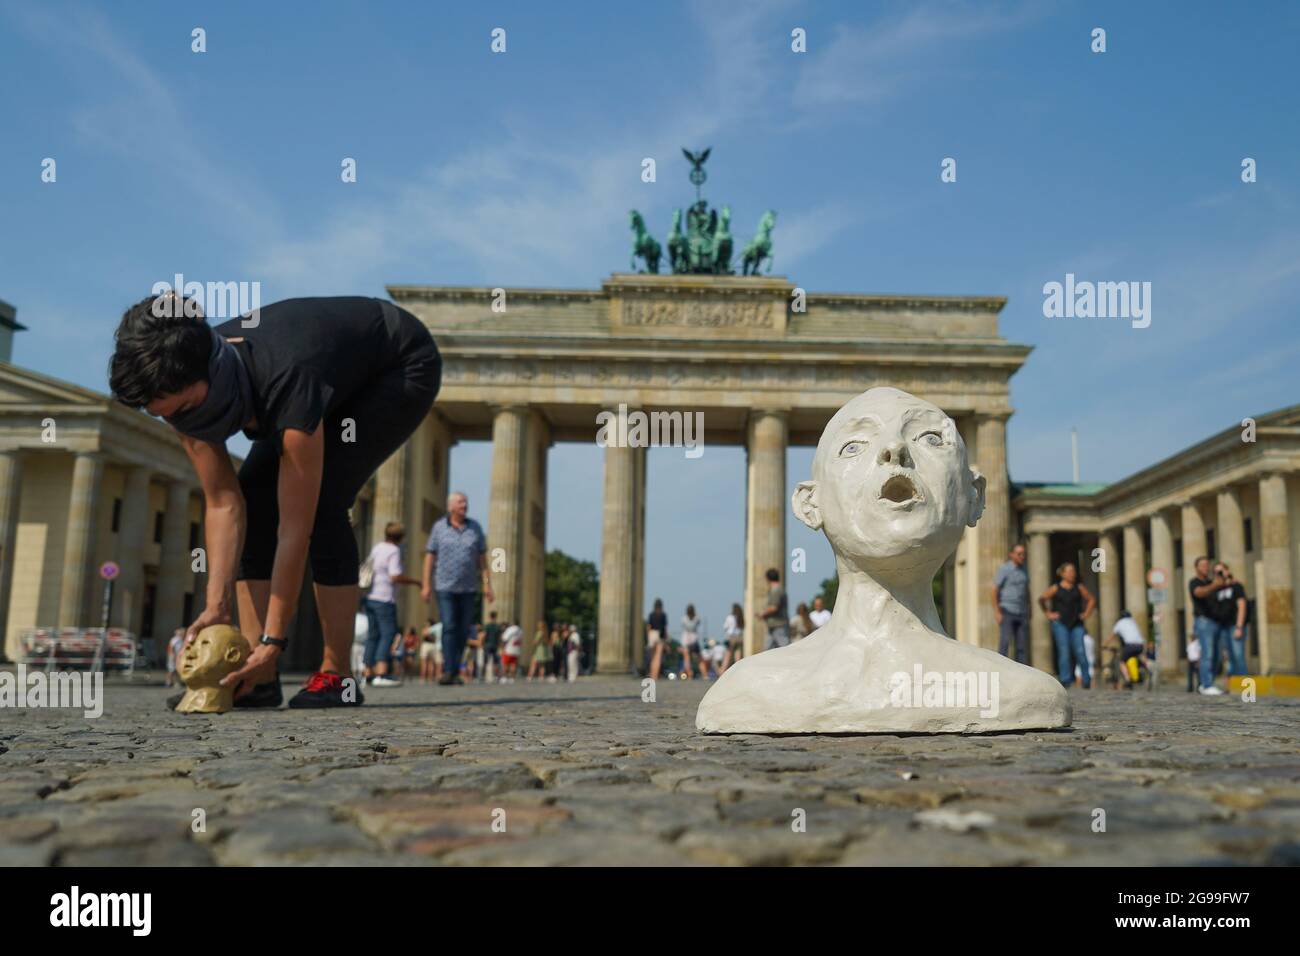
1193, 662
575, 653
173, 652
512, 642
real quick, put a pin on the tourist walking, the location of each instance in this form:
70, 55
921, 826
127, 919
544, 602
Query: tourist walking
512, 645
1067, 603
1193, 662
820, 616
801, 624
733, 631
541, 661
383, 660
776, 614
690, 641
1213, 635
656, 638
574, 644
454, 567
1132, 644
1011, 605
174, 647
555, 671
491, 648
431, 652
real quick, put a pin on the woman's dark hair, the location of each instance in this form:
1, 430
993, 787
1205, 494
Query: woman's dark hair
739, 614
162, 346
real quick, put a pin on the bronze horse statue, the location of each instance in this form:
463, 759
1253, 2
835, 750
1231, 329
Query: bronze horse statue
644, 244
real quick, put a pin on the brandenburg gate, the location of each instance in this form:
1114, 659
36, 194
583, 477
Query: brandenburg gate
766, 363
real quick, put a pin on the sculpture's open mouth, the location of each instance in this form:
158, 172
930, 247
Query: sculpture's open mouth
899, 489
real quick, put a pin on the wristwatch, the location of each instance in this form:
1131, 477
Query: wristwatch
279, 642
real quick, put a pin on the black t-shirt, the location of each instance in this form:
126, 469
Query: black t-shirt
306, 357
1067, 602
658, 621
1224, 603
491, 636
1201, 606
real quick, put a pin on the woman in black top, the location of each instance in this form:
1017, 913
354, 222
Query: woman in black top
657, 624
1067, 603
327, 389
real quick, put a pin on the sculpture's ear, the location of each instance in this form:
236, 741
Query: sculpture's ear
977, 485
804, 502
234, 654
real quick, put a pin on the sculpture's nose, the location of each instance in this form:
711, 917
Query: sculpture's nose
894, 453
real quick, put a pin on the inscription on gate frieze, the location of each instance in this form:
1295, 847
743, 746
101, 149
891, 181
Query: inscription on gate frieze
695, 313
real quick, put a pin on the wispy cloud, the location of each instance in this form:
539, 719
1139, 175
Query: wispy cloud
870, 64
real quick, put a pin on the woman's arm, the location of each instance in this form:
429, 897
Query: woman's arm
1090, 602
223, 528
297, 494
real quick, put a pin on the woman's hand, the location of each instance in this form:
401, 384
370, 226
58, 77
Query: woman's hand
1053, 615
263, 656
212, 614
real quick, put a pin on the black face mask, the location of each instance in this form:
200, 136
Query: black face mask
229, 402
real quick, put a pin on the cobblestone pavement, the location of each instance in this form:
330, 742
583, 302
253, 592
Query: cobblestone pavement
588, 773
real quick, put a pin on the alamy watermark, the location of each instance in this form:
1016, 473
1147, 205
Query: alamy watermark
929, 689
638, 429
1098, 300
217, 300
54, 689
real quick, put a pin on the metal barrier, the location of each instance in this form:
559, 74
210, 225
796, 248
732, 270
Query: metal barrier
93, 648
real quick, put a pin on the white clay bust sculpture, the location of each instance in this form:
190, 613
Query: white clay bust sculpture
893, 492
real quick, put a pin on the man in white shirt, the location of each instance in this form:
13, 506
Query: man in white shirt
1131, 642
819, 614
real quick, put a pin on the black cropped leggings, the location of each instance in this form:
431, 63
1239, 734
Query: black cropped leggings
386, 412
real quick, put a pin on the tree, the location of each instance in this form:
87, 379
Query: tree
830, 588
572, 592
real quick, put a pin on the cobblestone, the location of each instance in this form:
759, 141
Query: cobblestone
589, 773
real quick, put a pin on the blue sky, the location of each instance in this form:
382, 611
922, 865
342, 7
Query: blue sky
518, 169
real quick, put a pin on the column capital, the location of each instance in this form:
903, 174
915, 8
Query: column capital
762, 410
996, 415
498, 408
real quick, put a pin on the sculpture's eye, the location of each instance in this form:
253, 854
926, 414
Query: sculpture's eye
931, 438
852, 448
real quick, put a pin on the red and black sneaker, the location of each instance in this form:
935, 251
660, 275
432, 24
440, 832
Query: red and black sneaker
328, 689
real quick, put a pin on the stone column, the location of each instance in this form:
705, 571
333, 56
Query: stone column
1108, 585
11, 486
505, 511
1039, 559
1135, 571
1230, 533
132, 531
1162, 556
1277, 649
532, 599
393, 486
174, 574
617, 561
1193, 547
765, 518
79, 542
992, 532
639, 612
